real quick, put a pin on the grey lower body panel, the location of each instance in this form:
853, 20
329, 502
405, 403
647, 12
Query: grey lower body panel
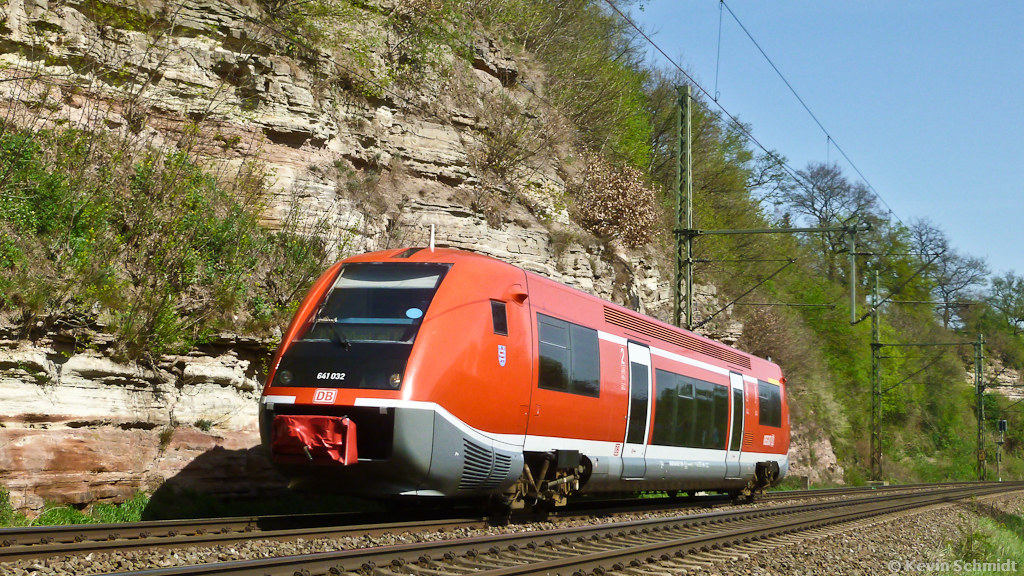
429, 456
466, 464
433, 454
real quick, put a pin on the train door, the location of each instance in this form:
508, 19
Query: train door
732, 456
638, 413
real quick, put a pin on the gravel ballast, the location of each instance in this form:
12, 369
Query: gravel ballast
866, 550
884, 547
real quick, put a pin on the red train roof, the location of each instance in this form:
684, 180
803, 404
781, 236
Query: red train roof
614, 314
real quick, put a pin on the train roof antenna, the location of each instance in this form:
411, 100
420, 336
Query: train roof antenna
431, 237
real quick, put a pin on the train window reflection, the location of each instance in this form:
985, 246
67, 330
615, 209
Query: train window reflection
570, 359
770, 404
376, 303
688, 412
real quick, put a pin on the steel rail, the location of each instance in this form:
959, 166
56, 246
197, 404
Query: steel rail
47, 541
503, 551
15, 553
642, 555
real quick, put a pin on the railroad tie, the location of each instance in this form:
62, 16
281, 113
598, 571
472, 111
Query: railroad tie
448, 568
727, 555
541, 555
647, 570
414, 569
695, 560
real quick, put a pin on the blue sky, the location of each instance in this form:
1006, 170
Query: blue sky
926, 98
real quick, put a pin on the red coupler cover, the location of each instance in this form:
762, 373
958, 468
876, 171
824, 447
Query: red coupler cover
313, 440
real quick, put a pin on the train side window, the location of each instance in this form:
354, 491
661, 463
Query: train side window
499, 318
665, 414
554, 353
685, 406
704, 412
721, 417
570, 359
586, 360
770, 399
680, 418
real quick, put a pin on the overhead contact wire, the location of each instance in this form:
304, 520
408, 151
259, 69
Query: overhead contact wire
804, 104
789, 169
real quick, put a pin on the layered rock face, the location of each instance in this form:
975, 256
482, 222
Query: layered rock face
77, 427
373, 170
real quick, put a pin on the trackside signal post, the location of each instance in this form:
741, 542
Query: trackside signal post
877, 393
684, 205
979, 391
999, 451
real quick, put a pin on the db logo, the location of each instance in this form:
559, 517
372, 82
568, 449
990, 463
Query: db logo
769, 439
324, 396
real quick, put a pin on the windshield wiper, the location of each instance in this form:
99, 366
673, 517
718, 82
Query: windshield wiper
339, 336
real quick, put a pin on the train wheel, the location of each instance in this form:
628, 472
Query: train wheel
542, 509
499, 510
741, 497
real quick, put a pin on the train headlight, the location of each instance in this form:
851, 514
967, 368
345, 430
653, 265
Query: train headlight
285, 377
395, 381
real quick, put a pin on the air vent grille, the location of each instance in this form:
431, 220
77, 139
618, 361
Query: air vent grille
502, 465
648, 328
476, 466
748, 440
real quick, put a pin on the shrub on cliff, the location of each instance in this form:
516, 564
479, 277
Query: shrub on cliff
614, 202
141, 240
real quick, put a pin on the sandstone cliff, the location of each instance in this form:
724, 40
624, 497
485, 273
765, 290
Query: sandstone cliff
376, 168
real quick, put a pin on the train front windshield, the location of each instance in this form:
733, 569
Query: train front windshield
376, 303
362, 335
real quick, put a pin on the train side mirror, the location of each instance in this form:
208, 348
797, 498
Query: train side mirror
517, 294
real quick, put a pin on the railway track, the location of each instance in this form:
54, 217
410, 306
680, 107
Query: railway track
40, 542
650, 546
44, 541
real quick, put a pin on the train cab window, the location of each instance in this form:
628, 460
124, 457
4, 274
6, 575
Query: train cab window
499, 318
569, 357
376, 303
770, 399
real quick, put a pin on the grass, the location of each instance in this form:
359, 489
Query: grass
61, 515
991, 541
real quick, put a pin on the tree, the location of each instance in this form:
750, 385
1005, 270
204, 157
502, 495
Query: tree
823, 197
1007, 298
955, 277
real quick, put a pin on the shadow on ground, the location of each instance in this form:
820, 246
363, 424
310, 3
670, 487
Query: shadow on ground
222, 483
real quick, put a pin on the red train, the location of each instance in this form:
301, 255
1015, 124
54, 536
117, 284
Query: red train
419, 372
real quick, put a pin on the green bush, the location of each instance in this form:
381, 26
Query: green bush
8, 516
143, 241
